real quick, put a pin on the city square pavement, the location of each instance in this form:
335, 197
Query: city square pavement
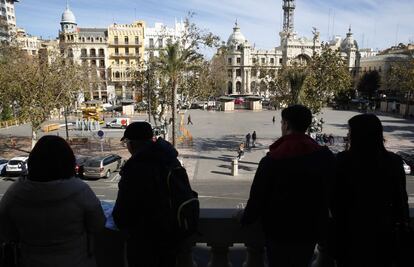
215, 140
217, 136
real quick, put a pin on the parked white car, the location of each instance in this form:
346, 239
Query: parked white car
17, 166
118, 123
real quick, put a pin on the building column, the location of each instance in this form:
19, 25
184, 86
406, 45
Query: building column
244, 77
233, 90
249, 89
100, 92
123, 92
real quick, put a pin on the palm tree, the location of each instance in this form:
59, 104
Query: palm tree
296, 78
174, 61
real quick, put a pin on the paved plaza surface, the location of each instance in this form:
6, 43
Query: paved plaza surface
215, 140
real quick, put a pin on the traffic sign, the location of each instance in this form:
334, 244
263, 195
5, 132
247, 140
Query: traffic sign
101, 133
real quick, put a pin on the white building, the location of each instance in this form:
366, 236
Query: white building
29, 44
7, 19
158, 36
349, 50
88, 46
242, 58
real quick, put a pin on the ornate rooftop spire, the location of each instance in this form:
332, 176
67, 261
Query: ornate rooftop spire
288, 15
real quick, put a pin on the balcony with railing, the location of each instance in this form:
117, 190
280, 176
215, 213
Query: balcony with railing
124, 55
128, 44
220, 235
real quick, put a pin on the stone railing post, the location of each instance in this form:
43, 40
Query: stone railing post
254, 256
219, 255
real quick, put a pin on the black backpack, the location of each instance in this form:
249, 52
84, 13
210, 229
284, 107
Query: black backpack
183, 203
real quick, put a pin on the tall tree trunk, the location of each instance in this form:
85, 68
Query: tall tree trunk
174, 110
34, 137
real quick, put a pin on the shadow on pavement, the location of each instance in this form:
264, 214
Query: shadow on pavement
221, 173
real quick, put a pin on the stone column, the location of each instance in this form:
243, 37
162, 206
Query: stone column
254, 256
123, 92
249, 73
233, 90
244, 80
219, 256
100, 92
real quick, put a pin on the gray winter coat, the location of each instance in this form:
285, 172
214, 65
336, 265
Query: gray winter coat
51, 221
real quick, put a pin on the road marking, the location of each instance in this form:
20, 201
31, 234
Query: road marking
115, 178
100, 195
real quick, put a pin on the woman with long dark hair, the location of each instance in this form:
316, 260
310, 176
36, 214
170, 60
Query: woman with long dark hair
369, 199
51, 213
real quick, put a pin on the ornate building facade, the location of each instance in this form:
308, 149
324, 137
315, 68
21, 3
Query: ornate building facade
126, 55
243, 59
87, 46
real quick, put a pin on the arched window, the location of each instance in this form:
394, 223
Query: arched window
238, 87
70, 52
84, 52
229, 88
117, 75
93, 52
101, 52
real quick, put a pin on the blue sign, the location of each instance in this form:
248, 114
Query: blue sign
101, 133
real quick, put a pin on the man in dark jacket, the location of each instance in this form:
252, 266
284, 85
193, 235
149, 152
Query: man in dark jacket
141, 209
289, 192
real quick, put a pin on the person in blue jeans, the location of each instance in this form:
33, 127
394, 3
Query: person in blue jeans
289, 195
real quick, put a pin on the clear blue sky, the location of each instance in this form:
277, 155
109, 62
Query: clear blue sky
375, 23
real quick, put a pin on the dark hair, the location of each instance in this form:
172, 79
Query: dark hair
366, 134
298, 117
51, 159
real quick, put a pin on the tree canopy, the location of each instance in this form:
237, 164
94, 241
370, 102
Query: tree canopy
369, 83
35, 86
316, 83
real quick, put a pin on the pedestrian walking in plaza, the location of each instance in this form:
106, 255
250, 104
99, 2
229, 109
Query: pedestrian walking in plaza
254, 139
370, 202
51, 214
145, 207
240, 152
274, 120
248, 137
189, 120
289, 185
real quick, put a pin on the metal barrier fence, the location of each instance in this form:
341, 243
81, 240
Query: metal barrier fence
10, 123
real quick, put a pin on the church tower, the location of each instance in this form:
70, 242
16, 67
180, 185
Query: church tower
288, 15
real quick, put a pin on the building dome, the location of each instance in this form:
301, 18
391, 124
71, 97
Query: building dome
349, 43
236, 37
68, 16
